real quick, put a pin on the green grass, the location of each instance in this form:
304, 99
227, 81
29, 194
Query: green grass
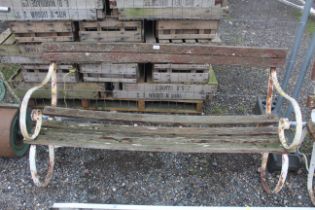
310, 27
218, 110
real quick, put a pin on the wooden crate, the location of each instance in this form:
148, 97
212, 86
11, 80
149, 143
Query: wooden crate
124, 73
52, 10
36, 73
187, 31
181, 73
39, 32
111, 30
149, 91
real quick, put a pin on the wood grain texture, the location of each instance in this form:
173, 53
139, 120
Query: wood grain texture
162, 53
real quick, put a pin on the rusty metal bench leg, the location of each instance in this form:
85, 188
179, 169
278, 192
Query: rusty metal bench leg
37, 116
283, 125
310, 176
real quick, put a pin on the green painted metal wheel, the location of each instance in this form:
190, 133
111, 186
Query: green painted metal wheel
2, 90
11, 140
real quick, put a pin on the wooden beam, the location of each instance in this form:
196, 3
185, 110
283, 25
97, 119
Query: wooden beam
166, 53
254, 120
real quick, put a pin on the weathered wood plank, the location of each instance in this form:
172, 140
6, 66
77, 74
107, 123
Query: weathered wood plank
51, 10
255, 120
119, 139
213, 13
5, 35
161, 3
143, 53
83, 4
166, 91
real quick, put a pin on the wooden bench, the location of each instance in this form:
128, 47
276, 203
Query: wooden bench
168, 133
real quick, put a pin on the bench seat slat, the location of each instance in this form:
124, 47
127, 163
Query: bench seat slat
164, 119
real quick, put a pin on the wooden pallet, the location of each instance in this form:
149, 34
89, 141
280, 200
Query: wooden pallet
129, 105
36, 73
111, 30
187, 31
105, 72
39, 32
181, 73
52, 10
150, 91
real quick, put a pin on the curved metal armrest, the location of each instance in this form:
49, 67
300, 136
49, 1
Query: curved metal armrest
36, 114
284, 123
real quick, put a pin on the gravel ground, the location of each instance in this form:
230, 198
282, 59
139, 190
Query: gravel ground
175, 179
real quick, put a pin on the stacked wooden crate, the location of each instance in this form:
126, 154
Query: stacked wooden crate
37, 21
169, 21
144, 87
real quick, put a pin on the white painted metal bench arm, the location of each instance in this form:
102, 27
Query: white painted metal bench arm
37, 116
284, 124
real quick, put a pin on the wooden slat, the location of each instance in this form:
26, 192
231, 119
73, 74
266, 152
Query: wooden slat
142, 53
163, 3
164, 119
5, 35
213, 13
120, 139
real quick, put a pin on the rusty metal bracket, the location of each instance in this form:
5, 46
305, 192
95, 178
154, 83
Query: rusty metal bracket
283, 175
284, 123
265, 156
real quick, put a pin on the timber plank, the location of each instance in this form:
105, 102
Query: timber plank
166, 53
196, 144
164, 119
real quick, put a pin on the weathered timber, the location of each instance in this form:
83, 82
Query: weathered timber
161, 4
5, 35
166, 91
155, 53
212, 13
254, 120
130, 138
51, 10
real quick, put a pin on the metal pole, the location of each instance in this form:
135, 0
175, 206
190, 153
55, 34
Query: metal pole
302, 74
293, 55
